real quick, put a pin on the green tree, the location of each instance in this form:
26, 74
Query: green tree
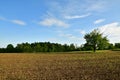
111, 46
103, 43
72, 47
10, 48
37, 48
96, 40
117, 45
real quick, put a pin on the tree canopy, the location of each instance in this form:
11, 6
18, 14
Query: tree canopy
39, 47
96, 40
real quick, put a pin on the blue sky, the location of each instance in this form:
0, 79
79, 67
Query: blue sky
61, 21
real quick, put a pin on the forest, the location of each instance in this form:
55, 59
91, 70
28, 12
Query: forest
51, 47
39, 47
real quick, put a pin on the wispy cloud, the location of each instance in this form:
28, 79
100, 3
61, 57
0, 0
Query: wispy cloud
2, 18
96, 5
77, 16
53, 22
112, 30
83, 32
70, 37
99, 21
59, 13
72, 8
19, 22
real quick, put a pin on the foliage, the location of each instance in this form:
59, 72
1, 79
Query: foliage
111, 46
95, 40
39, 47
117, 45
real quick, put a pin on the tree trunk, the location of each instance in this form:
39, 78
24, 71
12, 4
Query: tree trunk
94, 48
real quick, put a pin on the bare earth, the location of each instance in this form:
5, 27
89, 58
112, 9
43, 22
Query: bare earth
62, 66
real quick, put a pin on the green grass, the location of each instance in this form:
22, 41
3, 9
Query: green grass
116, 50
102, 65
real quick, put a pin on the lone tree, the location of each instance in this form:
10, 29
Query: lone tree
96, 40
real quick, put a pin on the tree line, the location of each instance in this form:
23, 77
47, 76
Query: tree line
39, 47
53, 47
94, 41
110, 46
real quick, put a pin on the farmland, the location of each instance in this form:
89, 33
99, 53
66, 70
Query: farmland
60, 66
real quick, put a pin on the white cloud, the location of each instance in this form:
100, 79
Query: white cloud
52, 22
70, 37
77, 16
19, 22
81, 31
67, 35
2, 18
99, 21
112, 30
71, 9
96, 6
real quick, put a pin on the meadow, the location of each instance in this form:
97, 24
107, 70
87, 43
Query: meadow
103, 65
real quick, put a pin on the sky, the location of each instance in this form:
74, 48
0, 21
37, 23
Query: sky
57, 21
